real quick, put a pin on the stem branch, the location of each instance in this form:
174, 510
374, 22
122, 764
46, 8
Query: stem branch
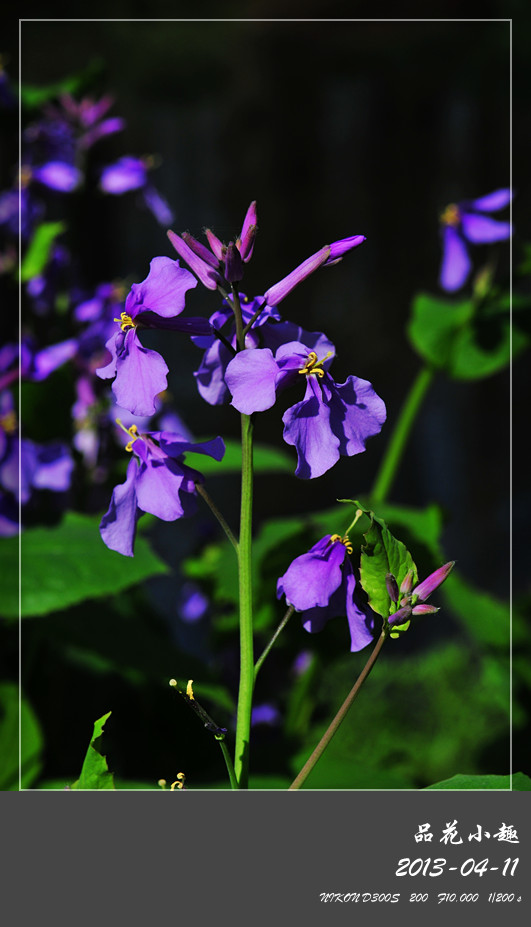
280, 628
332, 728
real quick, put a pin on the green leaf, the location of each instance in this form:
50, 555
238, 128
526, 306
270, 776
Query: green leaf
31, 741
521, 782
466, 341
486, 618
381, 554
266, 459
95, 773
32, 96
68, 563
38, 253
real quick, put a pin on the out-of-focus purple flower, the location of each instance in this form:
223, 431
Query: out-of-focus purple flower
140, 373
333, 419
58, 175
158, 481
38, 365
126, 174
129, 173
321, 585
193, 603
466, 222
265, 714
413, 601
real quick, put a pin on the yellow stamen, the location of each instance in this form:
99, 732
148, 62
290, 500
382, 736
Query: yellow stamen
179, 782
133, 431
189, 690
9, 422
314, 366
451, 215
344, 540
125, 321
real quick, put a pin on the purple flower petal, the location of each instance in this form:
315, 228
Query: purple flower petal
140, 375
163, 290
307, 427
456, 263
312, 578
118, 525
356, 413
157, 489
125, 174
58, 175
251, 378
49, 359
492, 202
54, 468
158, 206
482, 229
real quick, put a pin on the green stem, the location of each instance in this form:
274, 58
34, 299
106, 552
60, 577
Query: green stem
329, 733
400, 435
245, 694
217, 514
280, 628
228, 762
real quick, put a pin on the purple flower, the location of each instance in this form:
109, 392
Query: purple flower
140, 373
58, 175
158, 481
193, 603
413, 601
321, 585
130, 173
466, 222
333, 419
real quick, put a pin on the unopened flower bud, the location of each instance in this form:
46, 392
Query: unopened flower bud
400, 616
280, 290
217, 246
424, 609
248, 234
433, 581
200, 249
392, 587
407, 582
233, 264
339, 248
203, 270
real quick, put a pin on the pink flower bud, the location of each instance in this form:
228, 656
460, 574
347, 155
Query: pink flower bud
248, 234
206, 274
433, 581
280, 290
425, 610
400, 616
407, 582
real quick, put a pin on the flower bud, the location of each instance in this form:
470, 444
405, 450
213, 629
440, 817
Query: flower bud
392, 587
200, 249
206, 274
407, 582
233, 264
280, 290
433, 581
425, 610
341, 247
248, 234
400, 616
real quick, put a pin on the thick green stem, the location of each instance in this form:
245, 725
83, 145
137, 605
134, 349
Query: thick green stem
400, 435
245, 694
329, 733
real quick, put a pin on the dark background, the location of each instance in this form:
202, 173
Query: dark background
335, 128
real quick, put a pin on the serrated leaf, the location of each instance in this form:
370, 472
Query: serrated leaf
95, 773
521, 782
38, 253
382, 553
66, 564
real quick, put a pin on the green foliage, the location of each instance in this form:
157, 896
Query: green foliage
33, 96
68, 563
520, 782
464, 340
95, 773
416, 720
381, 554
266, 459
38, 253
13, 711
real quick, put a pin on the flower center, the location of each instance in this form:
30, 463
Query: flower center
314, 366
125, 321
344, 540
451, 215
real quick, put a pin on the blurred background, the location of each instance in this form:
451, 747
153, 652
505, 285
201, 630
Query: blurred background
336, 129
